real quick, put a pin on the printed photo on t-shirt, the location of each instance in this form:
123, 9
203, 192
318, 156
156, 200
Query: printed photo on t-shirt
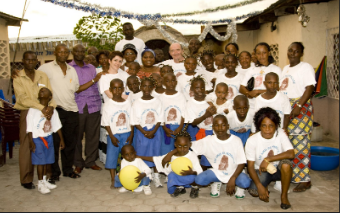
121, 121
230, 93
224, 163
172, 115
284, 84
47, 126
270, 153
191, 93
178, 74
258, 81
208, 121
150, 118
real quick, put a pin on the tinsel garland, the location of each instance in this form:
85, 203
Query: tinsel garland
111, 11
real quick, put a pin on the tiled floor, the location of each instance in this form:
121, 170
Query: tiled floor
92, 192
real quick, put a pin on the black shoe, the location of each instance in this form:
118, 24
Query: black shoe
28, 185
54, 178
194, 192
285, 206
178, 191
51, 181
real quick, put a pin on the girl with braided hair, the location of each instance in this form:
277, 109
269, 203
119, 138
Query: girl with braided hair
147, 117
177, 183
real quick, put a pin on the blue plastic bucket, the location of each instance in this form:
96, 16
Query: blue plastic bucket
324, 158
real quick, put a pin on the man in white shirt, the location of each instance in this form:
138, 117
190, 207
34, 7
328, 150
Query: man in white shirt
128, 32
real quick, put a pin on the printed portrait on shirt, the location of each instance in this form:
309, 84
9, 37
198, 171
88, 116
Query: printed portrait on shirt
224, 163
47, 126
270, 153
178, 74
284, 84
258, 81
172, 115
150, 118
208, 121
121, 121
191, 93
230, 93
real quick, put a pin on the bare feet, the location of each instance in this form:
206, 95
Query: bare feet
303, 186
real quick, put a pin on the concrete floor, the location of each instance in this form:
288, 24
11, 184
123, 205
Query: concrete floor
92, 193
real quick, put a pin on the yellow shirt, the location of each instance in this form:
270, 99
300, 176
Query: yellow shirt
26, 91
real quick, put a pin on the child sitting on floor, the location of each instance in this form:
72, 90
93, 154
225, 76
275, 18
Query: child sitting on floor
115, 119
177, 183
40, 131
225, 153
129, 158
219, 99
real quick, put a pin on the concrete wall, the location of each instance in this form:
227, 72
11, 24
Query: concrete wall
4, 61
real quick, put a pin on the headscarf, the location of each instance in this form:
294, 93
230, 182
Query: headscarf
148, 50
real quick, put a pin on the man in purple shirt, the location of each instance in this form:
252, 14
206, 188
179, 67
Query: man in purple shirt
89, 105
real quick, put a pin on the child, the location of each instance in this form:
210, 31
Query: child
199, 113
176, 183
115, 119
147, 117
219, 64
159, 90
231, 78
245, 62
270, 145
225, 153
207, 60
173, 103
166, 69
129, 158
133, 84
231, 48
190, 65
241, 118
219, 99
274, 99
40, 131
134, 68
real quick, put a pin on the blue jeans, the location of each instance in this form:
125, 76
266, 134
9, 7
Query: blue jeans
207, 177
145, 182
266, 178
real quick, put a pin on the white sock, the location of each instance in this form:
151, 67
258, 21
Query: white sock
195, 187
44, 178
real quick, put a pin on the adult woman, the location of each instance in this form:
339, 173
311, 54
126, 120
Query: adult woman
114, 71
298, 80
148, 60
103, 60
268, 155
130, 55
264, 65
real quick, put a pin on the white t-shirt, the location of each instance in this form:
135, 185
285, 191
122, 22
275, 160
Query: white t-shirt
294, 80
233, 84
244, 71
134, 96
156, 94
167, 169
280, 103
259, 74
146, 113
140, 164
177, 67
196, 109
220, 72
235, 124
220, 108
39, 125
224, 156
258, 148
117, 116
183, 82
173, 108
139, 44
104, 82
209, 76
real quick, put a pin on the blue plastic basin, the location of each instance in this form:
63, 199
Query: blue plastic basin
324, 158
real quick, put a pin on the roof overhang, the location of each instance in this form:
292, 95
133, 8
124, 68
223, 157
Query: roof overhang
11, 20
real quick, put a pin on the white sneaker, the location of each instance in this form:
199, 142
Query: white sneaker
42, 188
156, 180
122, 190
166, 179
215, 189
147, 190
239, 194
139, 189
278, 186
49, 185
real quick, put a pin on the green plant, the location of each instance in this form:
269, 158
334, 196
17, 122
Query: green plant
102, 32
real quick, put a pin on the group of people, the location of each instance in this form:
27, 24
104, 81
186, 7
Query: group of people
240, 119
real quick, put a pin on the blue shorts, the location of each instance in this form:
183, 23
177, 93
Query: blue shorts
175, 180
243, 136
112, 152
42, 154
145, 182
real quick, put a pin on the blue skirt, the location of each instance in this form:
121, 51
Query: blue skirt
149, 147
175, 180
192, 130
243, 136
169, 143
204, 161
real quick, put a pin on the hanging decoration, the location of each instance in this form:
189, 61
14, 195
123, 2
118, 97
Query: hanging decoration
303, 18
231, 30
111, 11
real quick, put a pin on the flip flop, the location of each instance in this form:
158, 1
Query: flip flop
285, 206
302, 188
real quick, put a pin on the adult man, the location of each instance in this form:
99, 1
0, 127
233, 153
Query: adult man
93, 51
159, 56
27, 83
194, 46
89, 104
90, 59
64, 82
128, 32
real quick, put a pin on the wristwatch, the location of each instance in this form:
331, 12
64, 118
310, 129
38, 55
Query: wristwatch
299, 105
93, 81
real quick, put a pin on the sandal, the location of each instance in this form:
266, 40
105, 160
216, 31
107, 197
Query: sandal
285, 206
253, 192
302, 187
73, 175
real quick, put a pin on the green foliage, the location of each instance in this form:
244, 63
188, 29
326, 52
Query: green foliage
102, 32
